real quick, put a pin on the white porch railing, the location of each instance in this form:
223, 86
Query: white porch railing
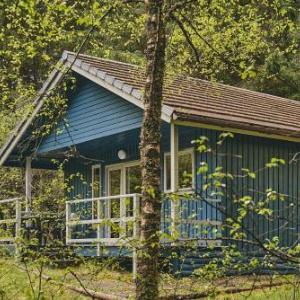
93, 222
112, 220
14, 218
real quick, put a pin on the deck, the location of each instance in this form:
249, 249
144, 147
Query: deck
114, 220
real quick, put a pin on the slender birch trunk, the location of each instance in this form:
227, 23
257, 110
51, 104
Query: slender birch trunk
148, 255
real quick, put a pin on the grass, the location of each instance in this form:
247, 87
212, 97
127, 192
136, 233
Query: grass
15, 284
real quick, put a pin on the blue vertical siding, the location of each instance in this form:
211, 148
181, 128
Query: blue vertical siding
105, 150
253, 153
234, 154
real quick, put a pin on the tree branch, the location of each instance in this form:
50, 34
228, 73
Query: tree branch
221, 56
178, 6
187, 36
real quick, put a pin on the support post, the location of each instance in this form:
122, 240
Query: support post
28, 184
136, 233
67, 222
174, 174
98, 226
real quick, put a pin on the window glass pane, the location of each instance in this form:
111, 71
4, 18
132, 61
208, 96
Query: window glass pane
115, 208
133, 185
185, 170
133, 179
96, 182
98, 207
129, 229
115, 230
95, 190
168, 172
114, 182
115, 189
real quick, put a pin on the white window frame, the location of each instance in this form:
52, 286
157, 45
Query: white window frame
122, 167
180, 152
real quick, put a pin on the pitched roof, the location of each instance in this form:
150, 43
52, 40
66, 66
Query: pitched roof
193, 99
186, 99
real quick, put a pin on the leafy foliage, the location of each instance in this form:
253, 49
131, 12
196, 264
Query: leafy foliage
242, 42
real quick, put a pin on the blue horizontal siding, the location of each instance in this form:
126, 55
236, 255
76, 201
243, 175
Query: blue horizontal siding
93, 113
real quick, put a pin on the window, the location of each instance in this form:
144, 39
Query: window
186, 172
124, 178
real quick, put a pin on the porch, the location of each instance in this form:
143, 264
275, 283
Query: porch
113, 221
103, 207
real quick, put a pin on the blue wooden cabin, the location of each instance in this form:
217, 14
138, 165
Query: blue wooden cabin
101, 129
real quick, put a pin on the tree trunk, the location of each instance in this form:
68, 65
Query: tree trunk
148, 254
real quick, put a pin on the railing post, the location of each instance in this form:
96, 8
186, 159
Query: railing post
18, 225
174, 174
